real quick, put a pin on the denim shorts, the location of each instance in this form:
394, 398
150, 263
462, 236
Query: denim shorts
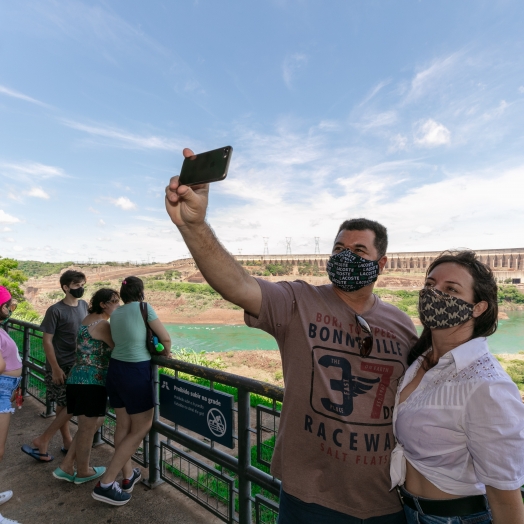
295, 511
7, 386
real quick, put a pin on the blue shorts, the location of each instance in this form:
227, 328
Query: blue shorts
7, 387
130, 385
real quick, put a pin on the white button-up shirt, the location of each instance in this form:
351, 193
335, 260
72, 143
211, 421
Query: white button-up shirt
463, 426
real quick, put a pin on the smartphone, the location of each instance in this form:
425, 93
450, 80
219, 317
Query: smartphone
206, 167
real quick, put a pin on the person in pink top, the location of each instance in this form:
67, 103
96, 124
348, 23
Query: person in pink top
10, 377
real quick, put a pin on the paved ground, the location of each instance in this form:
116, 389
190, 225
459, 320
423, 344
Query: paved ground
40, 498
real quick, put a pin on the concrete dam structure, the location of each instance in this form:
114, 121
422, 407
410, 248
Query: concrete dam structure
508, 263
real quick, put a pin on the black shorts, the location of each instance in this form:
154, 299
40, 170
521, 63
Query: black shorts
130, 385
86, 399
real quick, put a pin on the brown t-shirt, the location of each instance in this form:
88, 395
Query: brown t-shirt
335, 436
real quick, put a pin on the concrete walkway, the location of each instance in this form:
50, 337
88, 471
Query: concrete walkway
40, 498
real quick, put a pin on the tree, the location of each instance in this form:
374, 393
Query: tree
12, 278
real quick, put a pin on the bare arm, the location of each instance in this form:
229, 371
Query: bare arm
161, 333
2, 363
102, 331
506, 505
187, 207
59, 376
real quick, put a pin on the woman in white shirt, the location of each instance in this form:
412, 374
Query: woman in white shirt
458, 417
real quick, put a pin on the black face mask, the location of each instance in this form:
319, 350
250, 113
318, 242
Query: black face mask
439, 310
77, 293
349, 271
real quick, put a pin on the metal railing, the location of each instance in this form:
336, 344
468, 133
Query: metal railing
235, 485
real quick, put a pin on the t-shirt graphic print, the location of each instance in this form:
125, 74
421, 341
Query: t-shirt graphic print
335, 436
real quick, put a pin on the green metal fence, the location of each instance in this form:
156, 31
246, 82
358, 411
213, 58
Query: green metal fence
235, 485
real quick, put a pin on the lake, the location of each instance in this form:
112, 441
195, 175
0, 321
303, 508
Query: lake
509, 337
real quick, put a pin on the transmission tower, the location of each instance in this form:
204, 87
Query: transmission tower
317, 245
239, 251
266, 249
288, 245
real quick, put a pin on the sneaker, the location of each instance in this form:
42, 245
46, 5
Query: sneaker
8, 521
5, 496
112, 495
128, 485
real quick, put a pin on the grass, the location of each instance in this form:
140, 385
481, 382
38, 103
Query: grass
217, 489
406, 301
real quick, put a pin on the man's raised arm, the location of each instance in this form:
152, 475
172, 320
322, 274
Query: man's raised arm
187, 208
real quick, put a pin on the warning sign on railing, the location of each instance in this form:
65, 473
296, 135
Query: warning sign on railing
197, 408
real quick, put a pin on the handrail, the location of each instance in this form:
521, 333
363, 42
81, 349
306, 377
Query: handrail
154, 457
229, 379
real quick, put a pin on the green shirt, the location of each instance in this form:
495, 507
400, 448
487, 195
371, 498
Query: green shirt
129, 332
92, 359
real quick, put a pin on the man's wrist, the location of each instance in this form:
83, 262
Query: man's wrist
194, 228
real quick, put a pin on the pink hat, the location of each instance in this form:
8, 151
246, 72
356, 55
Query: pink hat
5, 296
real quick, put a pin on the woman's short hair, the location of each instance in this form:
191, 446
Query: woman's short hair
484, 289
132, 290
102, 296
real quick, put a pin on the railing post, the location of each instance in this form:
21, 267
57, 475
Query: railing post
97, 438
244, 456
153, 452
26, 348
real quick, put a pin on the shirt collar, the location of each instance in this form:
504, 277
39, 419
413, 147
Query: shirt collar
467, 353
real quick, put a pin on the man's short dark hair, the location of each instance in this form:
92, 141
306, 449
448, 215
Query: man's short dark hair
71, 277
361, 224
132, 290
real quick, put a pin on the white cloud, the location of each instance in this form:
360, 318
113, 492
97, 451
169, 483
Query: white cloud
18, 248
101, 223
30, 170
374, 91
38, 192
123, 203
432, 134
385, 119
6, 229
125, 139
429, 78
521, 90
7, 219
292, 64
15, 94
398, 142
423, 230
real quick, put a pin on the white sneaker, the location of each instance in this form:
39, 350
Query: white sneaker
5, 496
8, 521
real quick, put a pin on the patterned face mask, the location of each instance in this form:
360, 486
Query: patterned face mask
350, 272
439, 310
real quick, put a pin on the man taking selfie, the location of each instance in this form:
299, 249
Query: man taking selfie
343, 351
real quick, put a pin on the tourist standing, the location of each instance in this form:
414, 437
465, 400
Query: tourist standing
458, 417
86, 386
10, 377
343, 351
130, 387
60, 329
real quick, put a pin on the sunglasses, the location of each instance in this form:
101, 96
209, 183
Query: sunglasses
365, 344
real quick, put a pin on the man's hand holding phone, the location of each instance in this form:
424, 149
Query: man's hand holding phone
186, 206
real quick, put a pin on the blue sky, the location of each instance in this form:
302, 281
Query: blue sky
406, 112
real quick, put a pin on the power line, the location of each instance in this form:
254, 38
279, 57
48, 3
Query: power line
266, 249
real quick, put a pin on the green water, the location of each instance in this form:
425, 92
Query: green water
509, 337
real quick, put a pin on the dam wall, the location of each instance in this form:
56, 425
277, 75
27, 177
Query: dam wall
509, 262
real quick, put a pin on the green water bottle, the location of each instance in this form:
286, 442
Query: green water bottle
158, 345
